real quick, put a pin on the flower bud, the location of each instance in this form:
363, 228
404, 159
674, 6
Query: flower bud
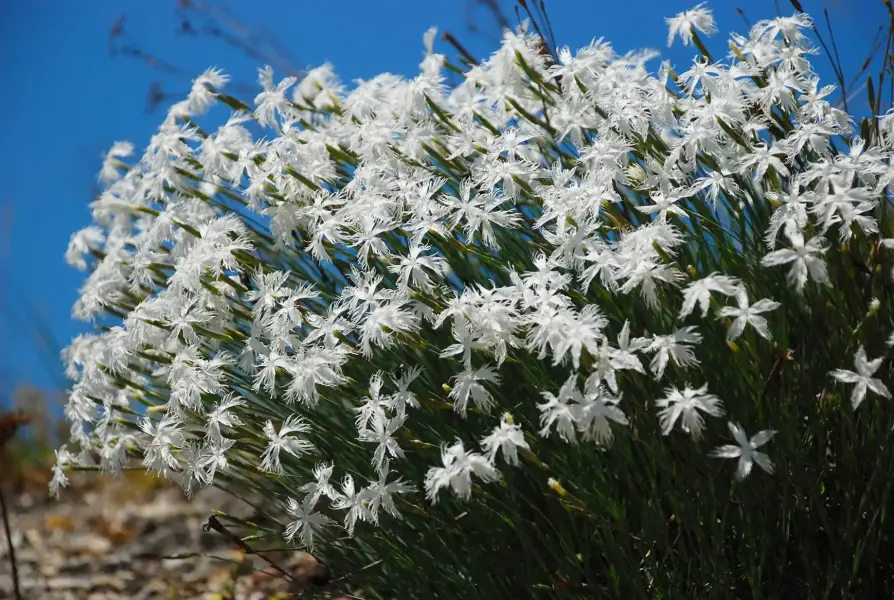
556, 486
636, 174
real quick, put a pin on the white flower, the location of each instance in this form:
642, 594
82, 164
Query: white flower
577, 332
863, 377
604, 367
212, 458
403, 397
466, 341
594, 410
312, 367
685, 406
373, 404
699, 292
320, 486
271, 289
457, 471
379, 493
167, 436
466, 385
381, 433
746, 451
221, 415
384, 322
64, 458
804, 259
272, 101
698, 18
675, 346
508, 437
112, 161
81, 243
201, 95
270, 362
646, 274
283, 440
663, 204
624, 357
192, 472
183, 319
791, 215
410, 269
307, 523
355, 502
589, 414
746, 314
557, 410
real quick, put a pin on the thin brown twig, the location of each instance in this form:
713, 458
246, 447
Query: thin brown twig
549, 25
183, 555
151, 60
448, 37
361, 569
548, 45
199, 18
874, 47
216, 525
12, 550
837, 66
783, 357
5, 436
263, 44
497, 12
524, 5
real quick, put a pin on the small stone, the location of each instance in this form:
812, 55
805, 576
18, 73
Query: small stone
61, 522
33, 537
88, 543
69, 583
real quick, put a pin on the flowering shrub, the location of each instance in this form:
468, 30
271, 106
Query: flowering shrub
561, 326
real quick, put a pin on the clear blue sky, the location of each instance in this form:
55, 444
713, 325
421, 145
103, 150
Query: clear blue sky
66, 100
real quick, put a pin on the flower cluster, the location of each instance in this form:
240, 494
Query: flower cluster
304, 281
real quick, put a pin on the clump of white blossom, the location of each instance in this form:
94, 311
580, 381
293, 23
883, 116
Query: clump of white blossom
238, 274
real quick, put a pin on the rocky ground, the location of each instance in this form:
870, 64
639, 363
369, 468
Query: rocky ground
133, 538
